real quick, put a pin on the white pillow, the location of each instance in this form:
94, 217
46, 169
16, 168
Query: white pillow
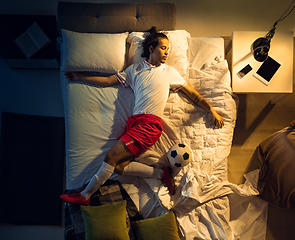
179, 44
205, 50
93, 52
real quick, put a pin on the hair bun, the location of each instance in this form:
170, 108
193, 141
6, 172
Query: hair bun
151, 39
153, 30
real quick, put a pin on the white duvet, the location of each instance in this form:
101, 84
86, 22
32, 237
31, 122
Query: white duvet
190, 124
201, 203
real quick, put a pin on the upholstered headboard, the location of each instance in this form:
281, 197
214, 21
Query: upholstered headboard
115, 17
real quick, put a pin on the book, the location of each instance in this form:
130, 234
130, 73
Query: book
32, 40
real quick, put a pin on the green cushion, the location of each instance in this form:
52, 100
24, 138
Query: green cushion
158, 228
105, 222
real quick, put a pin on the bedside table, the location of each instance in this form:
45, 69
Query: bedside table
12, 26
239, 54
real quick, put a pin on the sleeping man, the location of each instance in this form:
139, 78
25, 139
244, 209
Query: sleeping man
150, 81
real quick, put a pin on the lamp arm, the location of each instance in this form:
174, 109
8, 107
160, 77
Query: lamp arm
270, 34
261, 45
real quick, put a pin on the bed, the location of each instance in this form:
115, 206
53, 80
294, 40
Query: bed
102, 39
275, 156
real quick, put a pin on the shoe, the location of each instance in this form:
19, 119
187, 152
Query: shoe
168, 180
75, 198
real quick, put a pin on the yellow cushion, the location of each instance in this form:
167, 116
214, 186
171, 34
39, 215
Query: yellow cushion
158, 228
105, 222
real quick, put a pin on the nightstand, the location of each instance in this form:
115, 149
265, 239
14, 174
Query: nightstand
239, 54
13, 26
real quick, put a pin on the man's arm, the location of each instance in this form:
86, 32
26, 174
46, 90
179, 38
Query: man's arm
199, 100
96, 80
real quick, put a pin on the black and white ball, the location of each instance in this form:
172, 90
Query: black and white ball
179, 155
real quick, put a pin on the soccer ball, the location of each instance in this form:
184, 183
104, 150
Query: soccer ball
179, 155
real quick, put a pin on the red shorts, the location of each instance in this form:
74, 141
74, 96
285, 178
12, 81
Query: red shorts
141, 132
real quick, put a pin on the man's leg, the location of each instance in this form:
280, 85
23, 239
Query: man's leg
142, 170
118, 152
97, 180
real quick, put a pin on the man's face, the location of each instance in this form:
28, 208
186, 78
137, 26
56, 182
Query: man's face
159, 54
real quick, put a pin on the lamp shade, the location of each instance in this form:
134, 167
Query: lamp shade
260, 49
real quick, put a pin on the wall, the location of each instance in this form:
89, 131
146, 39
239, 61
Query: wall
37, 91
199, 17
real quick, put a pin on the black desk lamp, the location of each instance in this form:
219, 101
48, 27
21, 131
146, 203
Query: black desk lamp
261, 45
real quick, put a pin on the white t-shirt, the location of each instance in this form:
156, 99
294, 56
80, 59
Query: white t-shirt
150, 85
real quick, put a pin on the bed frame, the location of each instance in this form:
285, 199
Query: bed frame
115, 17
140, 17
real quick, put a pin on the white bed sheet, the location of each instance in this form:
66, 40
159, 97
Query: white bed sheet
96, 116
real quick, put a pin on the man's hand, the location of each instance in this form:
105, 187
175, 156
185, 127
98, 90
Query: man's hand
199, 100
72, 76
217, 119
96, 80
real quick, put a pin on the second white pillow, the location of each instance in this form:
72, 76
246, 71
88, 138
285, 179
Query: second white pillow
178, 56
